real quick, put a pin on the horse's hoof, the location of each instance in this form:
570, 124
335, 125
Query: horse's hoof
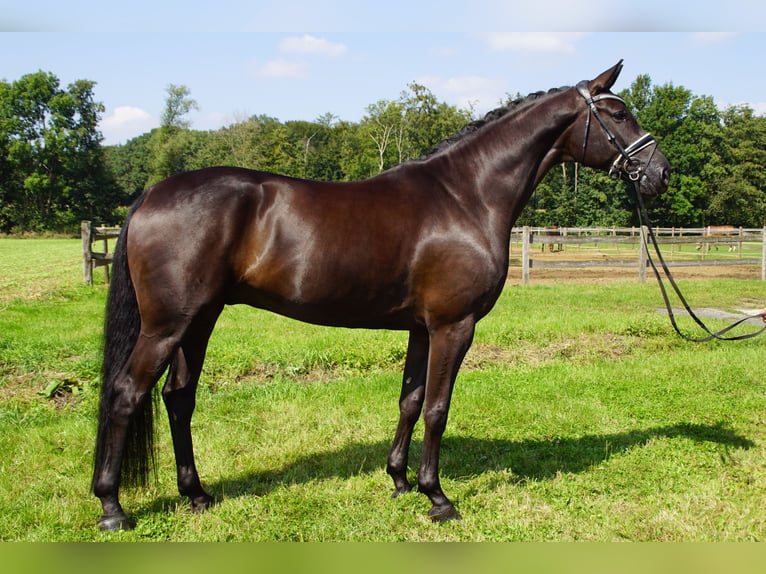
202, 503
442, 514
115, 523
398, 491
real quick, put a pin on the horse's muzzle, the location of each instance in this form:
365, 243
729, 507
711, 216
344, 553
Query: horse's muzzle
656, 175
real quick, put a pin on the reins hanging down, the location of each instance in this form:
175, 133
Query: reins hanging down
644, 220
626, 163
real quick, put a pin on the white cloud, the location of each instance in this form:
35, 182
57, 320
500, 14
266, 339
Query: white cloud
282, 68
307, 44
482, 93
294, 68
126, 122
758, 107
533, 42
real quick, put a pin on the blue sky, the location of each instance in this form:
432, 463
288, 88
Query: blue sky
300, 59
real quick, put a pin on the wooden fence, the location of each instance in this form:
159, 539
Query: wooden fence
703, 247
92, 259
706, 247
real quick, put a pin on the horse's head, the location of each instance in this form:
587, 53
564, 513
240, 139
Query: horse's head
611, 139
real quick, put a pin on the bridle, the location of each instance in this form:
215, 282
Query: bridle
625, 162
633, 168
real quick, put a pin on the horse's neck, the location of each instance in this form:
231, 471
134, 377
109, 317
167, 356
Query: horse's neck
502, 165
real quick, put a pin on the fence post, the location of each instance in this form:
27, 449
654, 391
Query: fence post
525, 237
642, 255
672, 243
705, 245
763, 255
87, 259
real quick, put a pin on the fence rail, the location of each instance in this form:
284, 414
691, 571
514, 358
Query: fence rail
706, 241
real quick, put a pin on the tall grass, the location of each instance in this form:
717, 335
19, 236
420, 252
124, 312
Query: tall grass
579, 415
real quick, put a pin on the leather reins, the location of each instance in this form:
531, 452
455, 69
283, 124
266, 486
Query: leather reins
633, 168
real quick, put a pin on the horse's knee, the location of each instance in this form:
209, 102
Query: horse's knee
411, 405
435, 416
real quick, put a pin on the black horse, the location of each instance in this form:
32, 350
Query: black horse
422, 247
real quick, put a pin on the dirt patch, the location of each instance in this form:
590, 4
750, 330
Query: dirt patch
261, 373
60, 389
584, 347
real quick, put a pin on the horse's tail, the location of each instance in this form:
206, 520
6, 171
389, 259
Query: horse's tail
121, 328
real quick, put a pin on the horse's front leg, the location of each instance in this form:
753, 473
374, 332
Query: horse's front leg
410, 405
179, 397
448, 346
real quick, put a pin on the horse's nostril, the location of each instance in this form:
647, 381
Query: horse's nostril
665, 175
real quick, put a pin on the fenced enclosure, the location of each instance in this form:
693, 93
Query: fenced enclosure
562, 247
657, 439
584, 247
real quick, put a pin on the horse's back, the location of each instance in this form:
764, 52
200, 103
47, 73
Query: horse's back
301, 248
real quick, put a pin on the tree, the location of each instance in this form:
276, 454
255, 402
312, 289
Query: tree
256, 142
177, 105
52, 167
384, 124
171, 143
409, 127
94, 194
739, 196
428, 121
130, 163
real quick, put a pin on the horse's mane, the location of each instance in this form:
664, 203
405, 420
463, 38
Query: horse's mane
511, 108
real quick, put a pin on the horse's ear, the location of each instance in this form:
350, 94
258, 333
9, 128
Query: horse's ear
606, 80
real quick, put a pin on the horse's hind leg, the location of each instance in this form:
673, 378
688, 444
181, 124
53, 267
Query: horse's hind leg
410, 405
131, 391
179, 396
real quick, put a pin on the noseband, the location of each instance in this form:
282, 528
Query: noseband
624, 163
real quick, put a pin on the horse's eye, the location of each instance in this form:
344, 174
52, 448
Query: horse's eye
620, 116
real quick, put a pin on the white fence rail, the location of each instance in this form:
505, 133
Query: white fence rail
681, 247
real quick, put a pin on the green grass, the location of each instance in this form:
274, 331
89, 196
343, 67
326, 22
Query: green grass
579, 415
39, 268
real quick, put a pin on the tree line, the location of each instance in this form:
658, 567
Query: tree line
54, 170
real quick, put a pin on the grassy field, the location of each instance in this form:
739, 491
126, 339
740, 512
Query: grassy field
579, 415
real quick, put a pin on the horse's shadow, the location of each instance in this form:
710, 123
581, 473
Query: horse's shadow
462, 456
